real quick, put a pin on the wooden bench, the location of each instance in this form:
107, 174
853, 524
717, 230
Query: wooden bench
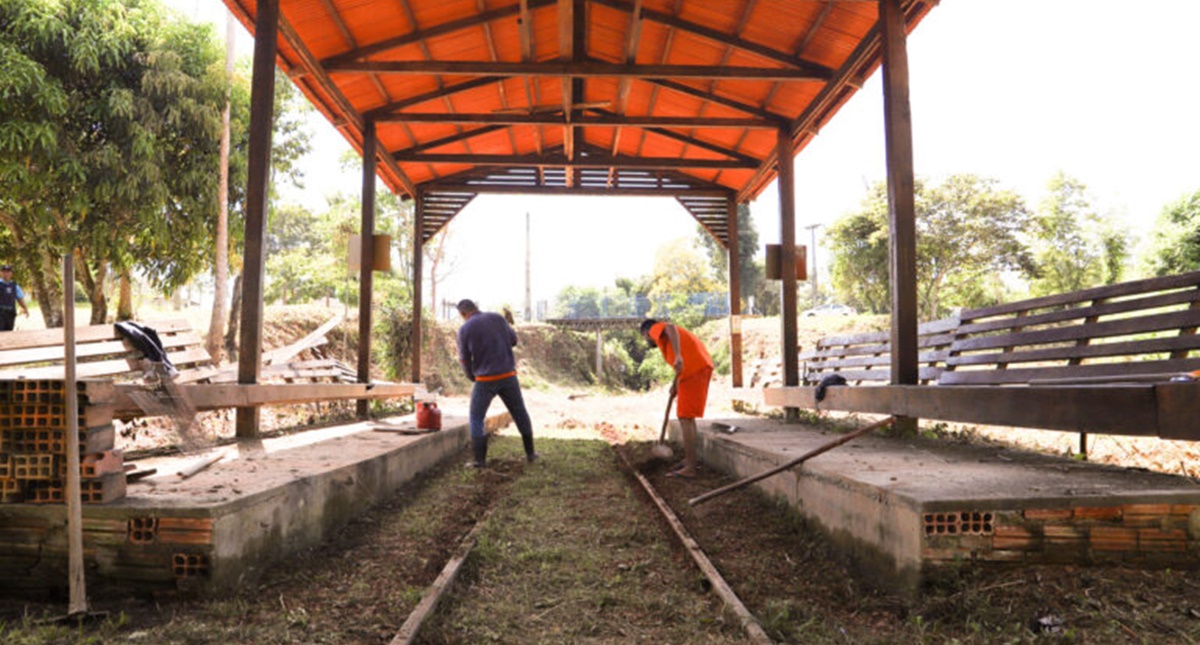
865, 358
101, 352
1097, 360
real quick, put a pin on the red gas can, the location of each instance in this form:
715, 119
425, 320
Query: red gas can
429, 417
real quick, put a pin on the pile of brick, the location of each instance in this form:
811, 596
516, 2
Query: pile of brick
33, 443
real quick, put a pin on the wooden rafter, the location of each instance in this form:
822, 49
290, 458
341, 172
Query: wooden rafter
603, 119
480, 5
718, 99
581, 162
422, 35
446, 91
633, 36
569, 69
719, 37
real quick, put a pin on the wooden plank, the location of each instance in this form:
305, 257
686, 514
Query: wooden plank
1024, 375
1179, 281
1119, 409
1127, 349
1121, 327
213, 397
1159, 301
115, 347
116, 367
91, 333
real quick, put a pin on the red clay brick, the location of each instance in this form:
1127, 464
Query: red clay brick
1062, 533
1156, 540
1112, 538
1146, 509
1098, 513
1045, 514
1015, 537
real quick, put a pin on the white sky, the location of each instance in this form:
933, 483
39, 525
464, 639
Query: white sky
1015, 90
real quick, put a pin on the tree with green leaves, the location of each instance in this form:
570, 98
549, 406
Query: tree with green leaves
1175, 245
111, 128
1073, 246
109, 144
968, 231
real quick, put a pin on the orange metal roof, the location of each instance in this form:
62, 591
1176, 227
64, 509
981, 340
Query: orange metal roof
579, 94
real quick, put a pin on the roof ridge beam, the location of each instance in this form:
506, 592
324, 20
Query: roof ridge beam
570, 69
720, 37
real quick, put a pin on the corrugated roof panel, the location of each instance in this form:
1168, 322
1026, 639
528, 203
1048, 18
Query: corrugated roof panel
733, 34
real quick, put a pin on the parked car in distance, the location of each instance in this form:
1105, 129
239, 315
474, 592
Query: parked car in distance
831, 309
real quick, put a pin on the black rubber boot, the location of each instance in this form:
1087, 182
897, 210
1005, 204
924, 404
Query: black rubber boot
479, 452
527, 440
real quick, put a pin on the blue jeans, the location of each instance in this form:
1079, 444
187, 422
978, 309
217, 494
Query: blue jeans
509, 391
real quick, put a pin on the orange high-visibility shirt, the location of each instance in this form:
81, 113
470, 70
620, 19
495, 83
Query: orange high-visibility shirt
695, 355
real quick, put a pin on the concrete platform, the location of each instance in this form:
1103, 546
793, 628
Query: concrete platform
262, 500
904, 508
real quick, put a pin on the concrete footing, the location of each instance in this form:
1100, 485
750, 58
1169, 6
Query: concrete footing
221, 527
904, 508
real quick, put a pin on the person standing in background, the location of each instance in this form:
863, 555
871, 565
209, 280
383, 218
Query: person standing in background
11, 297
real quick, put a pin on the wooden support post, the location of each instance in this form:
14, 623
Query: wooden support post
787, 287
599, 352
258, 175
417, 282
367, 264
901, 208
735, 294
78, 605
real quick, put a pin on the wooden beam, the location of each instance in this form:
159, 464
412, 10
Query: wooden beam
787, 240
216, 397
421, 35
735, 293
569, 69
1130, 410
381, 114
731, 40
584, 191
901, 204
604, 119
454, 138
582, 162
692, 141
418, 279
719, 100
366, 271
258, 174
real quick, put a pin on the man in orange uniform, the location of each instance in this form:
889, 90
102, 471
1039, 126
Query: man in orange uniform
693, 369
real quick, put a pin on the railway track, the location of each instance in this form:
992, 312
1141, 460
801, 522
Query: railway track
433, 595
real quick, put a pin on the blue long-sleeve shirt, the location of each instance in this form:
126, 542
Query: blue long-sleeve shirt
485, 343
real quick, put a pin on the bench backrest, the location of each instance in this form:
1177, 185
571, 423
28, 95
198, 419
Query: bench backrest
100, 351
866, 358
1143, 328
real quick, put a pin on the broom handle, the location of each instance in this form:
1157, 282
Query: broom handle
662, 435
798, 460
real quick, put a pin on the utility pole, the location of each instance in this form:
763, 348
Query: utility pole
812, 229
528, 262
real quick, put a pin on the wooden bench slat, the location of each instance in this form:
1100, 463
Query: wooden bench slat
1022, 376
1069, 352
1122, 327
1173, 299
1180, 281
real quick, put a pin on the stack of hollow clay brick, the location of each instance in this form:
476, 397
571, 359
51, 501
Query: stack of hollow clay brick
33, 443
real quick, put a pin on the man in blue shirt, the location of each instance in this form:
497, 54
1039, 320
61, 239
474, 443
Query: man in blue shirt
485, 343
11, 296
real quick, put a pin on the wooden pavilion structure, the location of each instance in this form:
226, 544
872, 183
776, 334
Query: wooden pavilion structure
704, 101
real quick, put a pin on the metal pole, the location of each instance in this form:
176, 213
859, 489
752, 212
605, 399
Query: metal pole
812, 229
528, 264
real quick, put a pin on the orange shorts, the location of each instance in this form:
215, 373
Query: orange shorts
692, 395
